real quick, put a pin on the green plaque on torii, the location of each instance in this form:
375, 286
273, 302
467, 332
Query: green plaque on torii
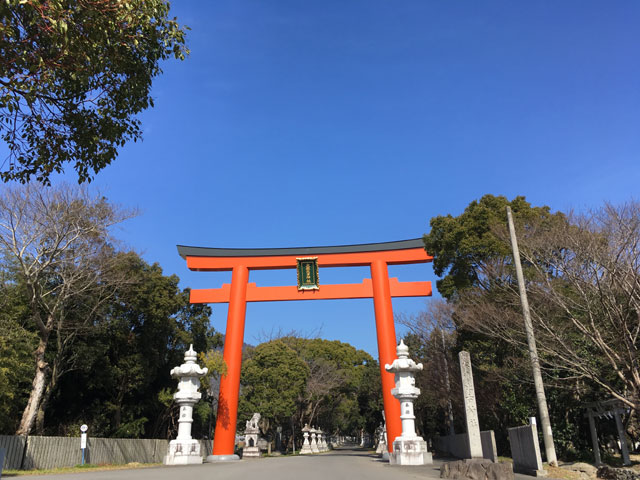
308, 273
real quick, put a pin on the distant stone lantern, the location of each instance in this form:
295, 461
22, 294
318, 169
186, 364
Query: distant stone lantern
184, 449
409, 448
306, 446
314, 440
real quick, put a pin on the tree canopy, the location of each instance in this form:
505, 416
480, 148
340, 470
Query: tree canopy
76, 310
73, 76
461, 246
293, 381
582, 277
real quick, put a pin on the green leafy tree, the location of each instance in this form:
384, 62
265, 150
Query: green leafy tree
464, 246
273, 379
73, 76
335, 386
125, 386
16, 346
582, 277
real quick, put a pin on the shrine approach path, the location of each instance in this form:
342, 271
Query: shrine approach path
342, 463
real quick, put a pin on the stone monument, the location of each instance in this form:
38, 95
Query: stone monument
470, 408
306, 446
251, 432
185, 450
409, 448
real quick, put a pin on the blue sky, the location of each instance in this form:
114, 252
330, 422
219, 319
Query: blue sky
338, 122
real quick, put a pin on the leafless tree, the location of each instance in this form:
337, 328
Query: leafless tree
59, 242
436, 331
583, 283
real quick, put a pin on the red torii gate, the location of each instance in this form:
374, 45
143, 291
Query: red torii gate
380, 287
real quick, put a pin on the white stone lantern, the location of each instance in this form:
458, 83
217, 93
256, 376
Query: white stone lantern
320, 440
325, 445
409, 448
314, 440
306, 446
185, 450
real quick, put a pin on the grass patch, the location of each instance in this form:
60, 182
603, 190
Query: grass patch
76, 469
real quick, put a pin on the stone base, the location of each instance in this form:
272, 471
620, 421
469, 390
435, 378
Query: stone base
477, 469
306, 450
183, 452
411, 451
182, 459
382, 447
250, 452
222, 458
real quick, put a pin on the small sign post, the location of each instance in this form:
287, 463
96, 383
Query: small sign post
83, 440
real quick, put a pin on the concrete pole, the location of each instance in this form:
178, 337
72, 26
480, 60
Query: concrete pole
624, 450
447, 384
547, 434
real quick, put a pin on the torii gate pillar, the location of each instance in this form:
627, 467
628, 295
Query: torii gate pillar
240, 261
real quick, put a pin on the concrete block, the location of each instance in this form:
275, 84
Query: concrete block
476, 469
525, 450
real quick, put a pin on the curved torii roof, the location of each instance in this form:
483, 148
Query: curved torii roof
187, 251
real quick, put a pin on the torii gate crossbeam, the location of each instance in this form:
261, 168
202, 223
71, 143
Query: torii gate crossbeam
380, 287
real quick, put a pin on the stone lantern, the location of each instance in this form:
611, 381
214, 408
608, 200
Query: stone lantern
325, 445
306, 446
185, 450
320, 440
409, 448
314, 440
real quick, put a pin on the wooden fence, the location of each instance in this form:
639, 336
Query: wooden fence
52, 452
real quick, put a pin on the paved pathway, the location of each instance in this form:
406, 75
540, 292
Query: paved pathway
347, 464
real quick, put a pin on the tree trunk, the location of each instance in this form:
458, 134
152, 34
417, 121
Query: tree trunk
46, 396
37, 390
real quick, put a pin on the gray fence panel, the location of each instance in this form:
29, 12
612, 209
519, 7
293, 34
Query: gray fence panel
52, 452
161, 449
14, 446
206, 447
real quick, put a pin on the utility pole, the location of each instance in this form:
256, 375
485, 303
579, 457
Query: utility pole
447, 383
547, 434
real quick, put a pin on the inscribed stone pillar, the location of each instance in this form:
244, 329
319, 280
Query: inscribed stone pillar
470, 408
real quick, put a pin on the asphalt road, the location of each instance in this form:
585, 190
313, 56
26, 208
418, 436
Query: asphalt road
351, 464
